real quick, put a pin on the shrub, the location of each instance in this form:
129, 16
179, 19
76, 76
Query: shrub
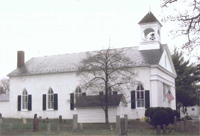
188, 118
171, 115
161, 117
150, 114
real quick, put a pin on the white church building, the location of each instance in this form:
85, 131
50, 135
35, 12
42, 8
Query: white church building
48, 85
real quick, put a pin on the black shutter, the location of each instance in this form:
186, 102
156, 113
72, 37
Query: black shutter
147, 99
29, 102
44, 102
19, 103
55, 101
71, 101
132, 99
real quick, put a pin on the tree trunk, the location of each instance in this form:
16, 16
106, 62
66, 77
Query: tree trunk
106, 116
106, 99
106, 105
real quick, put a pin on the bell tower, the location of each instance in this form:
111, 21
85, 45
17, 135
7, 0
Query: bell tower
150, 32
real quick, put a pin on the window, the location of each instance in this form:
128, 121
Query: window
149, 34
166, 102
78, 92
25, 100
50, 101
140, 96
74, 97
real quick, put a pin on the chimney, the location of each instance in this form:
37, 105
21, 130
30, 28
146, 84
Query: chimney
20, 58
114, 92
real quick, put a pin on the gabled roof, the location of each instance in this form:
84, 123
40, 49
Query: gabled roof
68, 62
149, 18
98, 100
170, 67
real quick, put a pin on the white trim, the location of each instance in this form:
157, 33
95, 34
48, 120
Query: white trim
136, 99
22, 100
164, 70
139, 108
166, 49
51, 94
50, 110
163, 80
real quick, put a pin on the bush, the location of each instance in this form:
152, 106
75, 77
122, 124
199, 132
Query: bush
150, 114
161, 117
171, 114
188, 118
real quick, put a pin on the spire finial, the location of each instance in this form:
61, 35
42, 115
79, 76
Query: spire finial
149, 6
109, 41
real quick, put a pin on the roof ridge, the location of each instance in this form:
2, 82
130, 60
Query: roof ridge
81, 52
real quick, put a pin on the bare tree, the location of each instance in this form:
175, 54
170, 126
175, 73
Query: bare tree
106, 70
2, 90
5, 84
187, 14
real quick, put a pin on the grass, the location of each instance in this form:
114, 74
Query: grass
134, 128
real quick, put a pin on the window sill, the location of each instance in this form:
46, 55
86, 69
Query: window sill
140, 108
50, 109
24, 110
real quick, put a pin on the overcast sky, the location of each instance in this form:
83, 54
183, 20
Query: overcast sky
50, 27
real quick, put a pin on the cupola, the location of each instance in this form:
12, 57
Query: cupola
150, 32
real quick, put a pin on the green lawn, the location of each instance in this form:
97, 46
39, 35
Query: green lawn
134, 128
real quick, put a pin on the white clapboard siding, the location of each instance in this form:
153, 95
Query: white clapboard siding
96, 115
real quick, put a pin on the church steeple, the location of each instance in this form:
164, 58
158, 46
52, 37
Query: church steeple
150, 32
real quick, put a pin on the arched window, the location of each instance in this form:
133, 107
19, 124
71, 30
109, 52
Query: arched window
149, 34
50, 100
24, 99
140, 95
78, 92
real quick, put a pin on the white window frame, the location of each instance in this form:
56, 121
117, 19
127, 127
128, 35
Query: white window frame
24, 100
78, 93
50, 99
141, 91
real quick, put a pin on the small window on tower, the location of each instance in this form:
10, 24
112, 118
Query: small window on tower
149, 34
